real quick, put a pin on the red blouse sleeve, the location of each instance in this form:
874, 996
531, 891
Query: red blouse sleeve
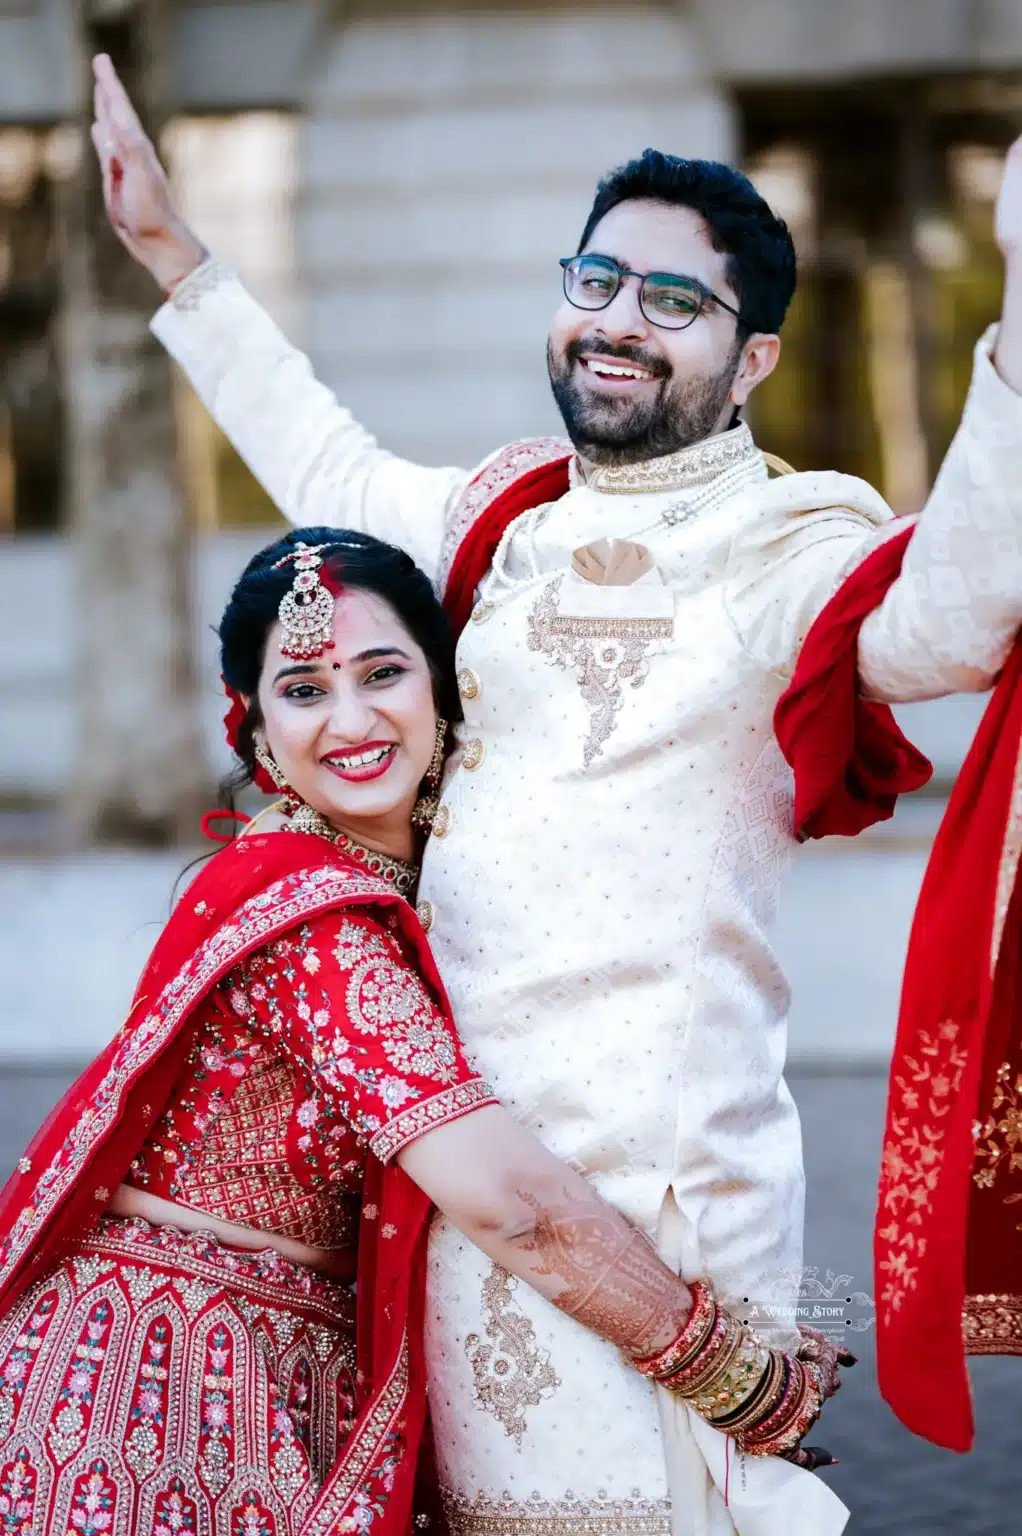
342, 997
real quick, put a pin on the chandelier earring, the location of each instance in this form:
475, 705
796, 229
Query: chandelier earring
302, 816
428, 802
265, 759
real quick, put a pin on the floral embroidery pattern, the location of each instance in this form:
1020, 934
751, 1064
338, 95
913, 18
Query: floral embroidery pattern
999, 1137
992, 1325
603, 653
366, 1035
284, 1327
216, 1438
253, 1518
175, 1513
18, 1481
287, 1454
78, 1393
512, 1374
283, 904
93, 1503
922, 1101
334, 1510
144, 1446
16, 1366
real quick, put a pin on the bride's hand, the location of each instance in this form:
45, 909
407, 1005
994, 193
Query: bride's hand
135, 187
828, 1357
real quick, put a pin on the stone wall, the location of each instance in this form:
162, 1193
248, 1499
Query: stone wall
448, 161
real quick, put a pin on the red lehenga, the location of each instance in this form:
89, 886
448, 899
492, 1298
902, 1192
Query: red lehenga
289, 1035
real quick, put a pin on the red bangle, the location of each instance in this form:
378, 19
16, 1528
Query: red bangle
698, 1327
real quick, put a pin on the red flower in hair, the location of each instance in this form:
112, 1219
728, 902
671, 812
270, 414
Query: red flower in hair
233, 721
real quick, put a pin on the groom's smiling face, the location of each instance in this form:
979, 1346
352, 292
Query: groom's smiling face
679, 385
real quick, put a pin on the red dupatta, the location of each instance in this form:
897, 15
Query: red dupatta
249, 894
948, 1241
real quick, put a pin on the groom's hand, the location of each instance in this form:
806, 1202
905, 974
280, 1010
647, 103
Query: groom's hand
135, 187
1008, 217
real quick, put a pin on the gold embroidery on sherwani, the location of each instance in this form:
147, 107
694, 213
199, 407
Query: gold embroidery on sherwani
912, 1159
511, 1372
604, 653
535, 1516
692, 466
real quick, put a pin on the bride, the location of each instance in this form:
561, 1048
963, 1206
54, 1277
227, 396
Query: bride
181, 1348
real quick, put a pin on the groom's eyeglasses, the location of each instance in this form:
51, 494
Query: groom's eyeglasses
667, 300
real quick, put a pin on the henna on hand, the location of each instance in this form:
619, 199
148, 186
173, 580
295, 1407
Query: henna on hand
614, 1281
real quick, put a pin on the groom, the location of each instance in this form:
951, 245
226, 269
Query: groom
615, 824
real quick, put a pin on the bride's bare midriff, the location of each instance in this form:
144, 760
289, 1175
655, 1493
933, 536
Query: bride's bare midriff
167, 1213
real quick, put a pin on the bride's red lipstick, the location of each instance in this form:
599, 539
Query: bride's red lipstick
365, 771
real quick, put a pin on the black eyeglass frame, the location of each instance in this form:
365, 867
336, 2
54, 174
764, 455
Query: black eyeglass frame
706, 295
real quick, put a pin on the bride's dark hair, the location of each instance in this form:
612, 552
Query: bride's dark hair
353, 560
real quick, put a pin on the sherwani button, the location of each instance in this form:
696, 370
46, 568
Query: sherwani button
424, 912
472, 753
442, 821
481, 612
468, 683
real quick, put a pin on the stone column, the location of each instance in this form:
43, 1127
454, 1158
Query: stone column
137, 772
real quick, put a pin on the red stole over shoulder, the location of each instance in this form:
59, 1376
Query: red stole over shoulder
947, 1242
249, 894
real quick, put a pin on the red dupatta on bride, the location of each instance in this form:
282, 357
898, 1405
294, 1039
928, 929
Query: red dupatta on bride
249, 894
948, 1238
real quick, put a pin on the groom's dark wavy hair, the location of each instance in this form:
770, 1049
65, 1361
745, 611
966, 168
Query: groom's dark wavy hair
761, 266
355, 561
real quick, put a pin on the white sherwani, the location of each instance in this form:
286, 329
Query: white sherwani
605, 873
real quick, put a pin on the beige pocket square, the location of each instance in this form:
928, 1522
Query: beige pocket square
612, 562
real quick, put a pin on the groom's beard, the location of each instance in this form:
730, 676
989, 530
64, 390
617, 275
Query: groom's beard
615, 430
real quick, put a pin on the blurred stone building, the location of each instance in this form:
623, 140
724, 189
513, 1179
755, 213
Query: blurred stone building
396, 179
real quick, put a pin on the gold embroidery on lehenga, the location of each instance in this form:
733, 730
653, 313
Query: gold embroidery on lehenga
999, 1136
94, 1374
604, 653
913, 1154
511, 1372
992, 1325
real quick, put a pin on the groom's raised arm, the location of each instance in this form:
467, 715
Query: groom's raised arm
317, 463
949, 621
315, 460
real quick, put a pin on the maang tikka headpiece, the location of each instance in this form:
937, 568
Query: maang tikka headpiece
306, 613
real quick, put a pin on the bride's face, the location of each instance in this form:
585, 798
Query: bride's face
353, 731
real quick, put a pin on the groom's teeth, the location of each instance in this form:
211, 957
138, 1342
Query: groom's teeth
617, 372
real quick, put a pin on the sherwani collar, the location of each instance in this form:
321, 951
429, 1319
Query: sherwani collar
685, 470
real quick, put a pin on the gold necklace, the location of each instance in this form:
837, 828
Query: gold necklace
396, 872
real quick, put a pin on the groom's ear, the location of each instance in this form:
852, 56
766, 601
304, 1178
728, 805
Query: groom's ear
759, 359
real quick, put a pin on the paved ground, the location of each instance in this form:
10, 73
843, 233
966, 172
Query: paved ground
892, 1482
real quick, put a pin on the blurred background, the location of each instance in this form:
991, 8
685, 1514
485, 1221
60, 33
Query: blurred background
376, 172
